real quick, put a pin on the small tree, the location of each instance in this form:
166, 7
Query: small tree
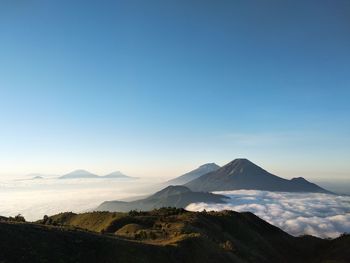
45, 219
133, 213
19, 218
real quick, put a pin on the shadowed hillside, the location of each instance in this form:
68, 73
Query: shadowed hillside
164, 235
173, 196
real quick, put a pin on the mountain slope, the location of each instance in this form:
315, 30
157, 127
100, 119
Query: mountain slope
164, 235
187, 177
243, 174
174, 196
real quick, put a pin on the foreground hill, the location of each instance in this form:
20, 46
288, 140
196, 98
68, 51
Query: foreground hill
174, 196
243, 174
164, 235
194, 174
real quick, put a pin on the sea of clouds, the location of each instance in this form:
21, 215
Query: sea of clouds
322, 215
315, 214
36, 198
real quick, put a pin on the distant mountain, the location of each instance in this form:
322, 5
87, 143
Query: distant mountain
174, 196
37, 177
194, 174
79, 174
86, 174
243, 174
118, 175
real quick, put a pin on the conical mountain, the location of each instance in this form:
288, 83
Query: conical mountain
243, 174
79, 174
194, 174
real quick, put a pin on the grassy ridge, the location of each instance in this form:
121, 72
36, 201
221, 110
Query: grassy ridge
163, 235
94, 221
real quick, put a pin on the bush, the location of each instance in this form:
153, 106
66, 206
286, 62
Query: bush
17, 218
133, 213
45, 219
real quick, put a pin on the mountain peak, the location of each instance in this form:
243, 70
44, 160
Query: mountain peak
206, 165
300, 179
187, 177
243, 166
171, 190
116, 173
241, 161
80, 171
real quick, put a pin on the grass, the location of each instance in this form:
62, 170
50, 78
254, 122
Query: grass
163, 235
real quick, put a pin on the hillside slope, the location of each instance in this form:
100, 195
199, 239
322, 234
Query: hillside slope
176, 235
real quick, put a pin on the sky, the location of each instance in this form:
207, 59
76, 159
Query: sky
157, 88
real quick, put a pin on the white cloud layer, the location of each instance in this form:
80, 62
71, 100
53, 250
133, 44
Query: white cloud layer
36, 198
321, 215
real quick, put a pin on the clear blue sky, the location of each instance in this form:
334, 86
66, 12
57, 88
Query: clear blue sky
159, 87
